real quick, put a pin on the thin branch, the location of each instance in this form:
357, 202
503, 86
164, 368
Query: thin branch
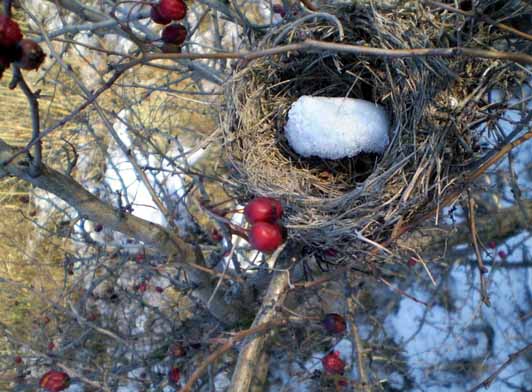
310, 45
33, 102
402, 292
358, 345
482, 17
309, 5
511, 358
482, 270
228, 345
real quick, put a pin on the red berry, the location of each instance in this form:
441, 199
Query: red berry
142, 287
174, 375
98, 228
265, 237
54, 381
492, 244
334, 323
263, 209
51, 346
216, 236
411, 262
46, 320
24, 199
157, 17
173, 9
18, 359
332, 363
139, 258
342, 383
502, 254
10, 32
159, 289
174, 34
31, 56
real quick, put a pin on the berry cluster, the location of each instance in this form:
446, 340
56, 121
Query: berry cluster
164, 13
265, 234
25, 53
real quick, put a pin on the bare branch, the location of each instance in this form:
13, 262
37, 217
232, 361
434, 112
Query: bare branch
511, 358
474, 240
92, 208
251, 353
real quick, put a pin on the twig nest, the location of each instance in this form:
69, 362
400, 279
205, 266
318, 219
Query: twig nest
346, 184
334, 128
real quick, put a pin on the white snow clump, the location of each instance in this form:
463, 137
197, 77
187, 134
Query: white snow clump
334, 128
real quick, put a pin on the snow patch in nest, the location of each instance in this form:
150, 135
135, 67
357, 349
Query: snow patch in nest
334, 128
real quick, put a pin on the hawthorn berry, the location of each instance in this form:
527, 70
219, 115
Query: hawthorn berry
18, 359
174, 34
265, 237
157, 17
263, 209
332, 363
216, 236
98, 228
54, 381
24, 199
334, 323
173, 9
30, 54
10, 33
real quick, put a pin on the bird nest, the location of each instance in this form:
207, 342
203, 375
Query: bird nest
438, 108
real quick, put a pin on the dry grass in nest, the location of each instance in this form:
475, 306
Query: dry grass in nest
436, 106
